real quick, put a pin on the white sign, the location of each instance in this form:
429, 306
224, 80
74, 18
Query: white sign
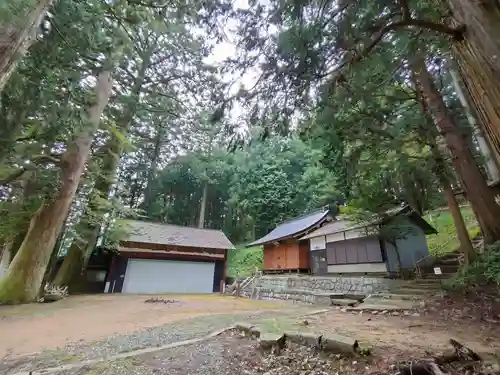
437, 271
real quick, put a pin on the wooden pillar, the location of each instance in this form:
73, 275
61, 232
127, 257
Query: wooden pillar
224, 273
110, 276
222, 286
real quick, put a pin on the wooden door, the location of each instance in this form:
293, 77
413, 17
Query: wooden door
318, 262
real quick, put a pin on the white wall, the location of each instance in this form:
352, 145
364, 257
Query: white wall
353, 233
359, 268
317, 243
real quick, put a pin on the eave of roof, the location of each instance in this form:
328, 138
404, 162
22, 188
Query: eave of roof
332, 228
293, 228
176, 235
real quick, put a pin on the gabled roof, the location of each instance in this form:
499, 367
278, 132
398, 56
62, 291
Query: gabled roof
337, 226
343, 225
292, 228
167, 234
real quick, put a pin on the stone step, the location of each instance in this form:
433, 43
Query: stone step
351, 296
446, 268
447, 261
425, 282
431, 286
344, 302
452, 255
416, 292
432, 277
392, 296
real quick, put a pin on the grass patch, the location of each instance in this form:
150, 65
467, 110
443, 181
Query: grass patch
243, 261
446, 240
283, 324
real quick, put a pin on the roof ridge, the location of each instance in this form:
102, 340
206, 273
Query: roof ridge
175, 225
317, 211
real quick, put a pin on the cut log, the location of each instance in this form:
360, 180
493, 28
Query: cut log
464, 352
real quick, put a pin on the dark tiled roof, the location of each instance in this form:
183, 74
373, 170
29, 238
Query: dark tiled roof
293, 227
342, 224
166, 234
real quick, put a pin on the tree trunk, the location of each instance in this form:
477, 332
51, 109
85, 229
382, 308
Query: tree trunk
148, 192
5, 257
81, 249
475, 186
203, 206
478, 58
54, 255
24, 277
18, 35
484, 147
462, 234
72, 266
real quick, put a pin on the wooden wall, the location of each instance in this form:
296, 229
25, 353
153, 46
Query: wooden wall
287, 255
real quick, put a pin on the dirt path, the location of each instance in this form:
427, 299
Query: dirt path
33, 328
192, 318
399, 333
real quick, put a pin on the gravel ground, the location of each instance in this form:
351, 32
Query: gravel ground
158, 336
228, 354
232, 354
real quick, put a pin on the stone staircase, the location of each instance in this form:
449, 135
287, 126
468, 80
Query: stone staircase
404, 295
351, 293
448, 264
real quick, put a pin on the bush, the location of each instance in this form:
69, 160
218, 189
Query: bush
243, 261
484, 270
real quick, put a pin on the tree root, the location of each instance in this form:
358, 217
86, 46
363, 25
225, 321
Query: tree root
461, 360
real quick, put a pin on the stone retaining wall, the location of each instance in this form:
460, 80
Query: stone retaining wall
313, 289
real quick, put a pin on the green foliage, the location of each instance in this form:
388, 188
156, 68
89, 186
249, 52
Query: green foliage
250, 190
244, 261
117, 231
484, 270
446, 240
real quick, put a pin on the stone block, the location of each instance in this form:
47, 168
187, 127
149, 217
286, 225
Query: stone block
269, 340
344, 302
254, 332
244, 327
339, 344
304, 338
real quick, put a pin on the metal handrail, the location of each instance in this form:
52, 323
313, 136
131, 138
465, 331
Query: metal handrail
418, 271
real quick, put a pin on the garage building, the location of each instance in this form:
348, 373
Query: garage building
164, 258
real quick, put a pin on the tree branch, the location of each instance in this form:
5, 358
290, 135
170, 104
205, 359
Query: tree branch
148, 4
47, 158
383, 31
13, 176
429, 25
